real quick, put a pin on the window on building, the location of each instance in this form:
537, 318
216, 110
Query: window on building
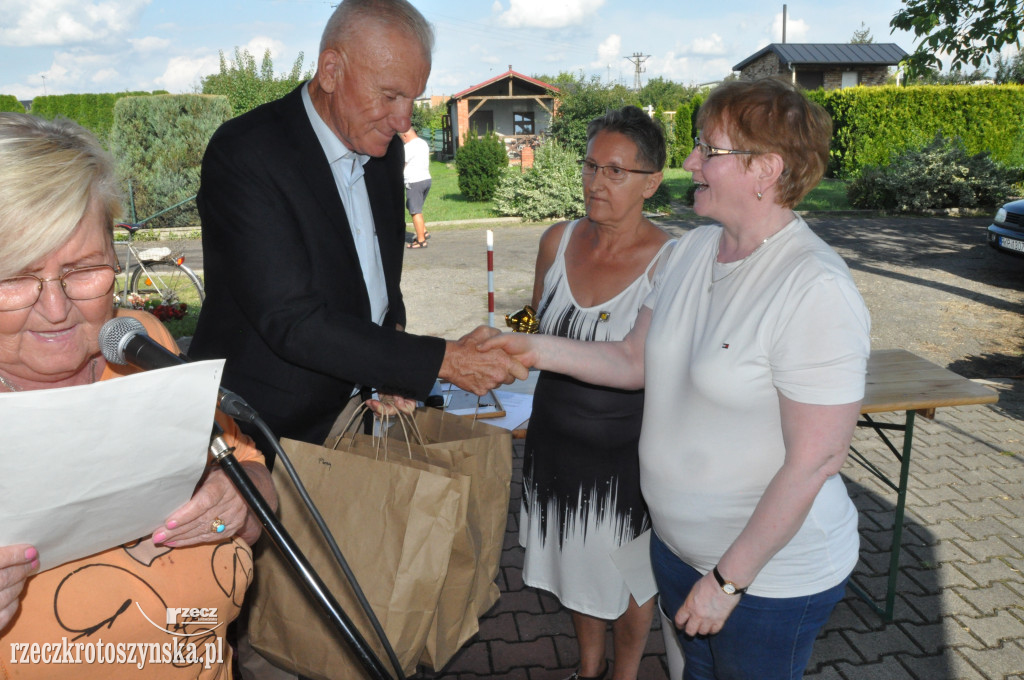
850, 79
522, 123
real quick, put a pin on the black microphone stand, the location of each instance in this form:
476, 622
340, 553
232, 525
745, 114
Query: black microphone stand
225, 457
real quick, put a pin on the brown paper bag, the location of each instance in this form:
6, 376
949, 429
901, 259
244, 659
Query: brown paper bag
484, 453
395, 526
456, 619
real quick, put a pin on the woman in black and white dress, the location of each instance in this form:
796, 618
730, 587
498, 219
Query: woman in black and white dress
581, 488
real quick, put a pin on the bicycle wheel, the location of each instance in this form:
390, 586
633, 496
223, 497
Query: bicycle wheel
172, 283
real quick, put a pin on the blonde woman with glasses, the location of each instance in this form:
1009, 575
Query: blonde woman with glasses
58, 199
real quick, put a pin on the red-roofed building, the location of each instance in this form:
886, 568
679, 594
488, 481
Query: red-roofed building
517, 107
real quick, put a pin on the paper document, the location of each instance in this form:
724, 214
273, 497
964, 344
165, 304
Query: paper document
91, 467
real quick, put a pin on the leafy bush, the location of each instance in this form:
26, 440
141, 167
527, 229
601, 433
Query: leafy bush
480, 162
246, 87
581, 101
870, 123
660, 201
159, 144
551, 188
10, 103
94, 112
940, 175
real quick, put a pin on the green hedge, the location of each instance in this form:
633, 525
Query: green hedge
159, 142
10, 104
873, 123
94, 112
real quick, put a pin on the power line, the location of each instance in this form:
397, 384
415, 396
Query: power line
637, 60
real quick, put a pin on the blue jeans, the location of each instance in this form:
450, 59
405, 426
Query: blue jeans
765, 638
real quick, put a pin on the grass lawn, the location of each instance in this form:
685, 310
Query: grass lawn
444, 202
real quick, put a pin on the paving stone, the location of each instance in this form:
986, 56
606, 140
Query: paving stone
498, 627
873, 646
920, 495
934, 637
533, 626
944, 666
986, 509
988, 601
934, 606
993, 630
935, 579
508, 655
825, 673
473, 658
933, 534
977, 492
984, 549
527, 600
946, 551
984, 573
996, 662
888, 668
830, 648
988, 524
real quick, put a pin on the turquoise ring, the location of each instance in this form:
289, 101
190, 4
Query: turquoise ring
218, 525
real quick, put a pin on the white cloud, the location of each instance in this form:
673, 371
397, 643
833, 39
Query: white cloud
30, 23
608, 51
184, 74
149, 44
686, 68
106, 75
711, 44
797, 30
546, 13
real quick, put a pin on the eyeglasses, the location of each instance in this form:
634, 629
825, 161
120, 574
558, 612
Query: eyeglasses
83, 283
707, 151
612, 173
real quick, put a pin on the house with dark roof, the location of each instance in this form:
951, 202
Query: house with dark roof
828, 65
518, 108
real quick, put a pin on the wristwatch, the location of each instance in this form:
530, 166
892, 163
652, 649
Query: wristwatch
728, 587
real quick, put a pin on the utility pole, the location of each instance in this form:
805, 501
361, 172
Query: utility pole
637, 60
44, 84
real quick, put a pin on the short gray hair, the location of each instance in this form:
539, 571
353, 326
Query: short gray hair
645, 132
49, 171
398, 13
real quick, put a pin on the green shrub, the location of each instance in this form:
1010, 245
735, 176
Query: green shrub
682, 132
480, 162
159, 144
940, 175
95, 112
870, 123
9, 103
551, 188
660, 201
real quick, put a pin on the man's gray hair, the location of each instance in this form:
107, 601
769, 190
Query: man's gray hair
396, 13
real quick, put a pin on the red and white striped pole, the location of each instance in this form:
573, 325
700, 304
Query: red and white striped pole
490, 278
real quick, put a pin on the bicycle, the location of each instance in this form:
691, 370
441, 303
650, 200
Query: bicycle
159, 278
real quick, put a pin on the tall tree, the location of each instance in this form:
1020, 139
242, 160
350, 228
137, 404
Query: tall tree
862, 36
246, 87
1010, 70
969, 31
579, 102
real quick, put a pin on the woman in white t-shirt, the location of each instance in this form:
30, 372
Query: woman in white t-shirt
752, 349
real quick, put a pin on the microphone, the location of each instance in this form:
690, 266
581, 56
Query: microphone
124, 340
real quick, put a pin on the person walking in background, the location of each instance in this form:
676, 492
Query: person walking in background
581, 474
417, 183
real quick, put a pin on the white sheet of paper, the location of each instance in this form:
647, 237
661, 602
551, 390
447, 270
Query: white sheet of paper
517, 409
91, 467
633, 560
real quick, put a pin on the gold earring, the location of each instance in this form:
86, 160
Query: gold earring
759, 195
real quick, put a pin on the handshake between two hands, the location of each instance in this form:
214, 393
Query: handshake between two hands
477, 362
485, 358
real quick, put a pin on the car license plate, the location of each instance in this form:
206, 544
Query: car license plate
1011, 244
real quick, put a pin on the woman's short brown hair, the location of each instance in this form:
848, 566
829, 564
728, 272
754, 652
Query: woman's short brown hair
773, 116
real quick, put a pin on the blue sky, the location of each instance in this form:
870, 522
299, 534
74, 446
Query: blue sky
76, 46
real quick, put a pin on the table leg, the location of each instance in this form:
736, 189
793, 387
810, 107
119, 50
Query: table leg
903, 456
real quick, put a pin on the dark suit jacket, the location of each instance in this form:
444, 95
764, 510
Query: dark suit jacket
286, 301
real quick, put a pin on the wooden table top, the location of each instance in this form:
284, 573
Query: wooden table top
899, 380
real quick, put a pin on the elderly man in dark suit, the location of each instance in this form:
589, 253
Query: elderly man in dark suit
301, 202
